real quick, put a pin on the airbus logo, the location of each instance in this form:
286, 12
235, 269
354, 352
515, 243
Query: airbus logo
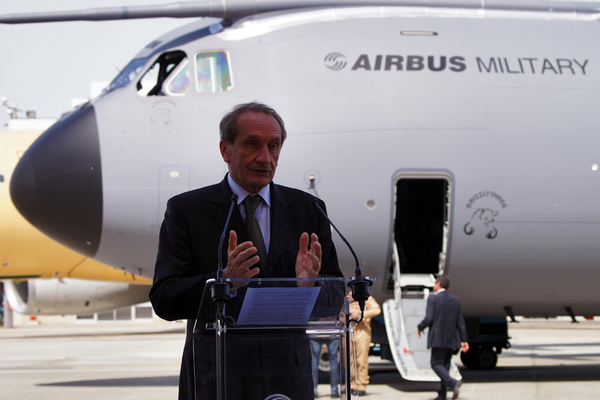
489, 65
335, 61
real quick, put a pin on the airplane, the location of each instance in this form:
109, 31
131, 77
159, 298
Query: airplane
454, 137
43, 277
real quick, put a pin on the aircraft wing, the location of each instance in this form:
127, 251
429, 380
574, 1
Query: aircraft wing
236, 9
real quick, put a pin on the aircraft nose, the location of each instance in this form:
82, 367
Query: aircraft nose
57, 184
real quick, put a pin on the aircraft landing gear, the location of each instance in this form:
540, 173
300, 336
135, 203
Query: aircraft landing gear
487, 337
480, 357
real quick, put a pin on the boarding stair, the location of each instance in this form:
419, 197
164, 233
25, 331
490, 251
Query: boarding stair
402, 316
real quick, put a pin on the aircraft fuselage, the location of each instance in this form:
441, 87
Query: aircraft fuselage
499, 105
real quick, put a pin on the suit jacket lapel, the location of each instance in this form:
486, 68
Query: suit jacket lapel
282, 220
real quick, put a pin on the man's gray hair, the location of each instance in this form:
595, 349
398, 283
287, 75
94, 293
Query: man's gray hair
228, 128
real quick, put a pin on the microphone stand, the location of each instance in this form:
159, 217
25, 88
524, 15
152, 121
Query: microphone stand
361, 291
219, 291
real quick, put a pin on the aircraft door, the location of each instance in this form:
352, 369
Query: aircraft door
421, 223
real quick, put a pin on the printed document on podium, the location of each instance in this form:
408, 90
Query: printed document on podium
283, 306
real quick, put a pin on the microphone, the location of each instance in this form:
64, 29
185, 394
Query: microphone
360, 285
220, 289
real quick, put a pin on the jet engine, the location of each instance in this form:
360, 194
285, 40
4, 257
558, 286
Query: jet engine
71, 296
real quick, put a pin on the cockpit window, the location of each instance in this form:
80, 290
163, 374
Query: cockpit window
151, 84
127, 74
171, 74
179, 83
212, 71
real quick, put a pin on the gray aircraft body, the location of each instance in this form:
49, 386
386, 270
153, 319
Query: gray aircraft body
456, 137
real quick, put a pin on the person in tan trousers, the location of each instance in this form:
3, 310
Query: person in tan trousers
360, 344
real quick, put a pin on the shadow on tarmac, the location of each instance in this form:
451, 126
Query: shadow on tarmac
553, 373
562, 373
542, 373
124, 382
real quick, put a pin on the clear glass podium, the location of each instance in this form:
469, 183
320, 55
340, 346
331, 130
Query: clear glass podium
253, 343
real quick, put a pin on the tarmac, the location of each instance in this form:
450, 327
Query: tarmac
117, 360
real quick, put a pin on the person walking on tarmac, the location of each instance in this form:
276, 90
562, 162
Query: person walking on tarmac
360, 344
447, 332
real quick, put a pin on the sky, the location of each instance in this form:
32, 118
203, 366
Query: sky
45, 66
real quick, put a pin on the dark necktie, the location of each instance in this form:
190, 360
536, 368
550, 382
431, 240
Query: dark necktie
251, 202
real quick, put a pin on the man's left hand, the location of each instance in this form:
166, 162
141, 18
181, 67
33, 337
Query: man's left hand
308, 262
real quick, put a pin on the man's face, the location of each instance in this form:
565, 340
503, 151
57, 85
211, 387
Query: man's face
254, 154
436, 286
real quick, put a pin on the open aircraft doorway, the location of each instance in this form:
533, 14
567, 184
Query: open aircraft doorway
422, 216
422, 222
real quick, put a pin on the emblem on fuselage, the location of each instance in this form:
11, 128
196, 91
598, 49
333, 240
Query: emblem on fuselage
161, 112
335, 61
485, 215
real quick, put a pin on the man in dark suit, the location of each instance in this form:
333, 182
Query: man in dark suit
447, 333
296, 242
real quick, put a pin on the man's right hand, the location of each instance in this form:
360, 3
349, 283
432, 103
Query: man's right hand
240, 259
